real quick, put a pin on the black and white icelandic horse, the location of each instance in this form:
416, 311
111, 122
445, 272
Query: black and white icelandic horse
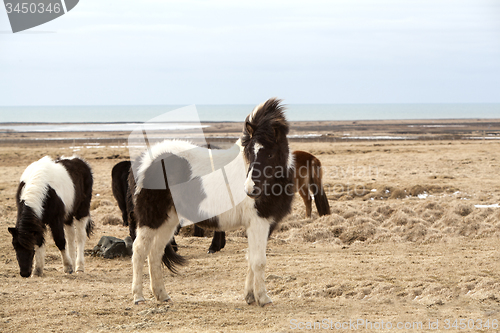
264, 191
53, 193
307, 181
121, 192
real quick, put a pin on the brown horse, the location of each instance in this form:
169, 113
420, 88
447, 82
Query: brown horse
308, 182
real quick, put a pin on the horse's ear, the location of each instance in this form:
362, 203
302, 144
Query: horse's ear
250, 128
13, 231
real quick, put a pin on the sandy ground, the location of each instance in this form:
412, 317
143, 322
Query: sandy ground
405, 244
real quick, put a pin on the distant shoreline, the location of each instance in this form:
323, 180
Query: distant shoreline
300, 131
416, 120
371, 121
237, 112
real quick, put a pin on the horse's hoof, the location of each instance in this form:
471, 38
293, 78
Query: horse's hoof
140, 302
250, 299
168, 301
267, 304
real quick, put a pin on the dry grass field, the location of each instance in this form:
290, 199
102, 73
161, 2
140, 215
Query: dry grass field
404, 244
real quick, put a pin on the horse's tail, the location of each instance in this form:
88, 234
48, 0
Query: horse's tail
172, 259
90, 227
316, 187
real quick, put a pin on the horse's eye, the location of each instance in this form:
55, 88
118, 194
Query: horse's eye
270, 156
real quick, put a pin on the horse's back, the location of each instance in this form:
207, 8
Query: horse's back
303, 158
82, 180
39, 176
119, 181
120, 171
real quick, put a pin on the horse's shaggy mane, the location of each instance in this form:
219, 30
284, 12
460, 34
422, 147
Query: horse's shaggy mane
267, 126
29, 225
267, 122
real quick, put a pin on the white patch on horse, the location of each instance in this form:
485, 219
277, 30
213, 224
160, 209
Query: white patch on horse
291, 160
249, 183
41, 174
256, 147
236, 176
167, 146
214, 186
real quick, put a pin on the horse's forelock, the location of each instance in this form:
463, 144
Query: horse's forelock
267, 123
267, 126
271, 112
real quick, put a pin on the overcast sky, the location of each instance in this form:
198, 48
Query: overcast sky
155, 52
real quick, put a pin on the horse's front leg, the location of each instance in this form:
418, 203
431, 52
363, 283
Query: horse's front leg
58, 234
255, 288
39, 260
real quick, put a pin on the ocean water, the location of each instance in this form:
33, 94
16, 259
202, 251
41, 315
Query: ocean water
126, 117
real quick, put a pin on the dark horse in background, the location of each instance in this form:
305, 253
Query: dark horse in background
119, 186
308, 181
255, 204
57, 194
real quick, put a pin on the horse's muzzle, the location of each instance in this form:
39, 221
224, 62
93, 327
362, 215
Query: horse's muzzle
25, 274
254, 194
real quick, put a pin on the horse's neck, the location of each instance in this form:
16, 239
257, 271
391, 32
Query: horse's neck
221, 157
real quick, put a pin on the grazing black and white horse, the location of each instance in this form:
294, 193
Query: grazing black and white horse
265, 190
53, 193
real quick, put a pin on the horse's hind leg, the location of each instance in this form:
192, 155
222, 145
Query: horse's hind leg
59, 239
218, 242
81, 236
69, 235
303, 189
39, 260
142, 245
307, 202
255, 288
163, 235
